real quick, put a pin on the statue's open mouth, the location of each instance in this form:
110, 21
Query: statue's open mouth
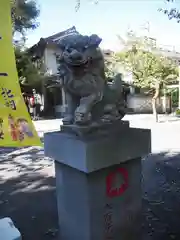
75, 62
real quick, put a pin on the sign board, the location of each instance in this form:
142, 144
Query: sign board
16, 127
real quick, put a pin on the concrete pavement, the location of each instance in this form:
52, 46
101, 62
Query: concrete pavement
165, 133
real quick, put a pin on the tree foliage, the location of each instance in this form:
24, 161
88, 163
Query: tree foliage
78, 4
150, 69
29, 73
148, 66
110, 65
24, 15
171, 12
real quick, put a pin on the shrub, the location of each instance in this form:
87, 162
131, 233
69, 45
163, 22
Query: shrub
178, 112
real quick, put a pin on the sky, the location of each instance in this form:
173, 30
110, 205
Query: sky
108, 19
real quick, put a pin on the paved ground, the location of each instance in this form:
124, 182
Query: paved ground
165, 134
27, 185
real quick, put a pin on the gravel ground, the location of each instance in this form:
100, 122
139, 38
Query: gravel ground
27, 194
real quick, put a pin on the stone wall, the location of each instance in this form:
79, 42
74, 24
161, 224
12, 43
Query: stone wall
139, 103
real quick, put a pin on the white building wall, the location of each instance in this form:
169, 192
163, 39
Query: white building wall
143, 104
50, 60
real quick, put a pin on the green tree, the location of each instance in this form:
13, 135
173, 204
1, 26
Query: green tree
24, 15
110, 65
29, 73
149, 68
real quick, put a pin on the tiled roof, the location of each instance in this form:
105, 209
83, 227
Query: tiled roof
39, 47
56, 37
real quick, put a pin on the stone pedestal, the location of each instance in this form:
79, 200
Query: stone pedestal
98, 182
8, 231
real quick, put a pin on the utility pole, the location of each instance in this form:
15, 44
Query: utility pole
146, 28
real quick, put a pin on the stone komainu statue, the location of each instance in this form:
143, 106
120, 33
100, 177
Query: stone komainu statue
90, 99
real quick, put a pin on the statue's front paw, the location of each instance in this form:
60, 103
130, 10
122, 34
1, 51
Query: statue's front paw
81, 118
69, 119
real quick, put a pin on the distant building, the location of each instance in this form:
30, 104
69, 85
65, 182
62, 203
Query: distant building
45, 53
47, 50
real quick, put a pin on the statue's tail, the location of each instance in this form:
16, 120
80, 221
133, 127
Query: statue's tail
117, 83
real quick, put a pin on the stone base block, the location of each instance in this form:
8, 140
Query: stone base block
8, 231
98, 182
105, 204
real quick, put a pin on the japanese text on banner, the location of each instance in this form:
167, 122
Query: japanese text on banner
16, 127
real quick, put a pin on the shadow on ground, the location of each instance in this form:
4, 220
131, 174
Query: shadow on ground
30, 201
161, 196
27, 194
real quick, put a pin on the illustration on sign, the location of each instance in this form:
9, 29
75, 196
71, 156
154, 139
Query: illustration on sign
16, 127
112, 191
19, 128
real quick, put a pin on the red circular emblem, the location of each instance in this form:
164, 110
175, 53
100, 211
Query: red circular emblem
114, 192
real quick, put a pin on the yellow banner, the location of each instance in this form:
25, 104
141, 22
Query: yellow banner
16, 127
